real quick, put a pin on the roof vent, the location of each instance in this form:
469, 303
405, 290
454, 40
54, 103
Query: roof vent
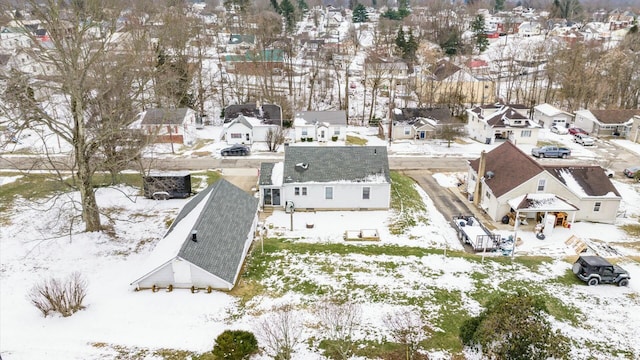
489, 175
194, 235
302, 166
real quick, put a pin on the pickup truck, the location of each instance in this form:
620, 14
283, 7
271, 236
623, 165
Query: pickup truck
551, 151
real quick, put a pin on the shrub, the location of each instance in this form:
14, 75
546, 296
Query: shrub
303, 139
235, 345
310, 139
334, 138
62, 296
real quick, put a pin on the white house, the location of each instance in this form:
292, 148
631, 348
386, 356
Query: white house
207, 243
607, 122
320, 126
547, 116
169, 125
327, 178
488, 123
508, 177
247, 130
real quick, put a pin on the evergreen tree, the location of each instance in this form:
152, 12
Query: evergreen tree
515, 326
482, 43
235, 345
400, 40
302, 6
360, 14
288, 12
499, 6
275, 6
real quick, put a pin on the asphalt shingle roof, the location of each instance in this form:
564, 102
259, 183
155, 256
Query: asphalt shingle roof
592, 179
165, 116
615, 116
222, 229
510, 166
335, 163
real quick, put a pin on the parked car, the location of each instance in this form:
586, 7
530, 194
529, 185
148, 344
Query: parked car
631, 171
577, 130
236, 150
551, 151
595, 270
584, 140
560, 130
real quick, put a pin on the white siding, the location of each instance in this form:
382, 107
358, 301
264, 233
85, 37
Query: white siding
345, 196
238, 128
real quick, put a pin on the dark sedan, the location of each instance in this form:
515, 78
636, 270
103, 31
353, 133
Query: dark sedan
236, 150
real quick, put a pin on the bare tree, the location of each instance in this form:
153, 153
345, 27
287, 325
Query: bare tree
275, 138
80, 63
340, 320
280, 332
408, 329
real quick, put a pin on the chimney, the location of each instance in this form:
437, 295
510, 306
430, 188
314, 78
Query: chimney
194, 235
478, 190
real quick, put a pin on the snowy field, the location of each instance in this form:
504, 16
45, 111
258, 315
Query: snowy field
117, 317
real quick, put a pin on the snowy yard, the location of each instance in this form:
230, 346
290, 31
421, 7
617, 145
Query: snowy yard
424, 267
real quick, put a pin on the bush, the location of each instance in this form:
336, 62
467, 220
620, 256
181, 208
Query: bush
334, 138
303, 139
310, 139
235, 345
62, 296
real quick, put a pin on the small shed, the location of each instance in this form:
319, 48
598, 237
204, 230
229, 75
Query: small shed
207, 243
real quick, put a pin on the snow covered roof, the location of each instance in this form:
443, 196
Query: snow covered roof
584, 181
541, 202
549, 110
336, 164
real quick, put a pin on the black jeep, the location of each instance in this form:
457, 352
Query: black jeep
595, 269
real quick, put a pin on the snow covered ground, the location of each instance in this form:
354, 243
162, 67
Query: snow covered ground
117, 317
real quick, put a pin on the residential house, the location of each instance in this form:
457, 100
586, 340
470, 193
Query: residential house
247, 130
509, 177
547, 116
489, 123
249, 123
421, 123
240, 42
270, 113
320, 126
252, 62
207, 243
327, 178
529, 28
445, 82
607, 122
176, 126
386, 73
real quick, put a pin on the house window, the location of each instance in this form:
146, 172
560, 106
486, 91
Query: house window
247, 137
407, 130
304, 191
596, 206
541, 184
525, 133
296, 191
236, 136
366, 193
336, 131
328, 193
304, 132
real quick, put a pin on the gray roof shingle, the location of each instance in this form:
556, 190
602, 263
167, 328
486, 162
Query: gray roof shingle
222, 229
335, 163
164, 116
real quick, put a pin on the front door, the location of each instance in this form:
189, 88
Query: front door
271, 197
